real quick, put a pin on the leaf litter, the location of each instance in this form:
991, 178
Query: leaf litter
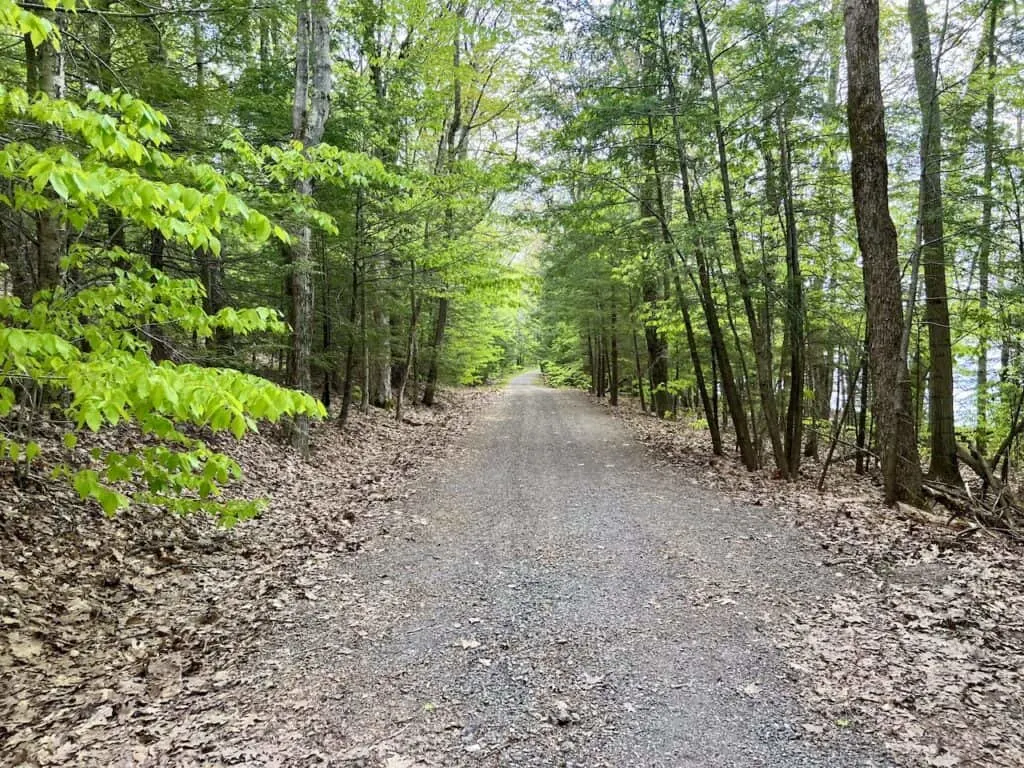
922, 645
123, 640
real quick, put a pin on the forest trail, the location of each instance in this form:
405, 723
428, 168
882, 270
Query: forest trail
549, 599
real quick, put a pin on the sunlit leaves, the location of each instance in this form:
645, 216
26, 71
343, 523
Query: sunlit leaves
83, 347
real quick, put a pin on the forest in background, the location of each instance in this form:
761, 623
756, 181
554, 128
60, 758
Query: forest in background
216, 215
715, 244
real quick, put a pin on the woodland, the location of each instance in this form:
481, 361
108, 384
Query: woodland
794, 228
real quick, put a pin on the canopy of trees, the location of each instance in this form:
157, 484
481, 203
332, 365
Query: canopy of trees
753, 214
165, 168
741, 209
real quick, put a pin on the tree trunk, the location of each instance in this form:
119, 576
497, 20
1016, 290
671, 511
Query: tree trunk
672, 251
452, 147
719, 350
592, 363
613, 389
943, 465
639, 373
48, 73
794, 311
758, 334
876, 236
410, 344
309, 116
350, 347
985, 247
440, 321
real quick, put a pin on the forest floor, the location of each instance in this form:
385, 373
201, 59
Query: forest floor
510, 580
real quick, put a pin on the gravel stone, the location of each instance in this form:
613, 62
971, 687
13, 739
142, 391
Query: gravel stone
554, 597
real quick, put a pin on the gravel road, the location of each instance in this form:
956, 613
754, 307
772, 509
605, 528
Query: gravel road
550, 598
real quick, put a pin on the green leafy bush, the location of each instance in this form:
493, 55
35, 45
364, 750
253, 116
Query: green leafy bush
568, 375
83, 349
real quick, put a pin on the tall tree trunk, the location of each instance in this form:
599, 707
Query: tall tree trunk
795, 310
876, 236
48, 73
440, 322
309, 116
591, 363
453, 146
719, 350
985, 247
613, 388
943, 465
639, 372
758, 334
356, 288
410, 344
671, 249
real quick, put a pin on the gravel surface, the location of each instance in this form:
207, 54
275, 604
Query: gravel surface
549, 598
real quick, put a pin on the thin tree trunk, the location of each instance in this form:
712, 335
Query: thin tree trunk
50, 80
592, 363
985, 248
758, 334
441, 320
719, 352
672, 252
639, 373
794, 311
862, 414
353, 311
410, 345
943, 465
613, 389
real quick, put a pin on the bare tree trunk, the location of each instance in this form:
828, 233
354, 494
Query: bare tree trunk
985, 247
794, 311
639, 373
309, 116
613, 389
410, 345
592, 363
672, 251
876, 236
758, 333
453, 146
440, 322
943, 465
49, 76
719, 349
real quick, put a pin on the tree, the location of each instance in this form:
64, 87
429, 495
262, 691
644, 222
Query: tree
309, 117
876, 236
942, 434
78, 343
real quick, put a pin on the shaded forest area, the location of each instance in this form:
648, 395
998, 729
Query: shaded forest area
795, 230
814, 247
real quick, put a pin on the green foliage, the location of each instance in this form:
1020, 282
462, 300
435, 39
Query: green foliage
568, 375
84, 347
88, 352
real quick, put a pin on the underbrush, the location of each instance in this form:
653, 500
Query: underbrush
571, 375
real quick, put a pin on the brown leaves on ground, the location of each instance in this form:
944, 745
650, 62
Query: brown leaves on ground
923, 646
119, 638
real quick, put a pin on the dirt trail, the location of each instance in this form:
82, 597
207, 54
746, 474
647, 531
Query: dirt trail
548, 599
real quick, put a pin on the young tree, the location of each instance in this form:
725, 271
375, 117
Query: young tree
942, 467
